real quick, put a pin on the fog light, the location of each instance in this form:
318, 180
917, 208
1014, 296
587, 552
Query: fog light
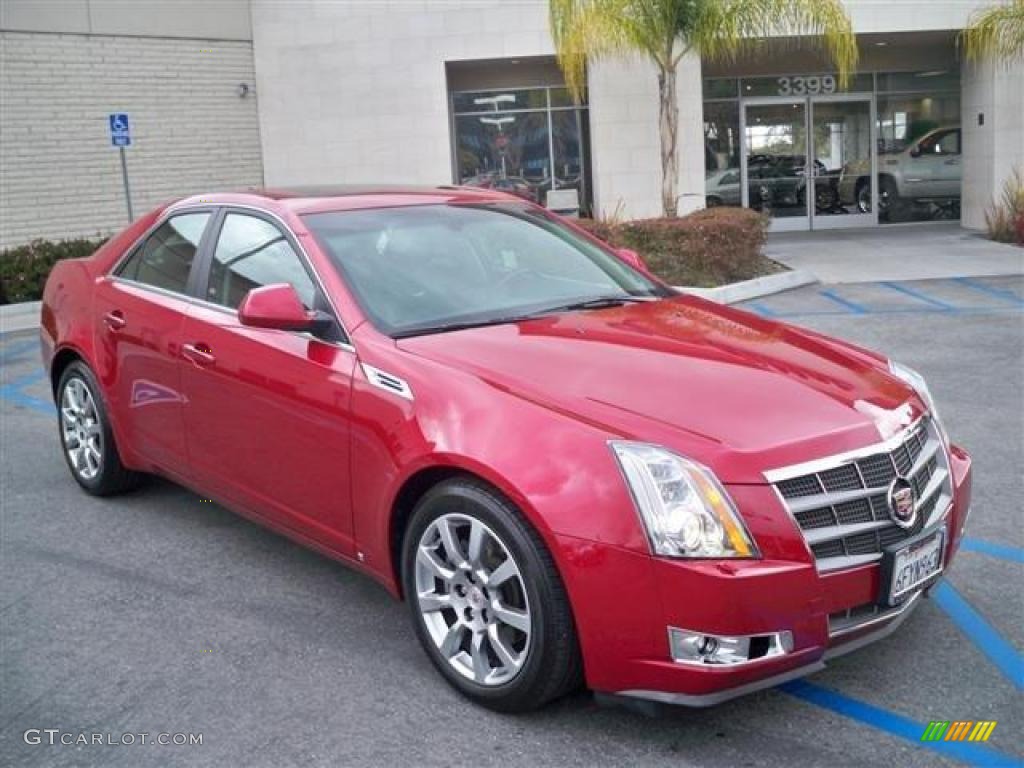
701, 648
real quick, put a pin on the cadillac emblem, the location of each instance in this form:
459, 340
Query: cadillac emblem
902, 502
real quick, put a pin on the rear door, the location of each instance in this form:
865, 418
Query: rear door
268, 418
139, 309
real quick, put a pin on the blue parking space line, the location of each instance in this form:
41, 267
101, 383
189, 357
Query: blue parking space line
918, 295
896, 725
1000, 293
12, 393
761, 309
10, 352
1002, 551
981, 633
853, 306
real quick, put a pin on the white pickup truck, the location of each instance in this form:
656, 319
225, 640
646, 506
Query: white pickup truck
928, 170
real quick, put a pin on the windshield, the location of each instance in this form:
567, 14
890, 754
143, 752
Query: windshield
430, 268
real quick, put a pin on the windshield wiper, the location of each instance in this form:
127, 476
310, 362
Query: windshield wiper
602, 302
458, 326
599, 303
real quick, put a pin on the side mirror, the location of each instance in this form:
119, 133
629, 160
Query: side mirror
915, 151
278, 306
632, 258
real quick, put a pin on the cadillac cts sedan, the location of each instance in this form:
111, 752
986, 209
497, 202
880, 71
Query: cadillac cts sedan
570, 472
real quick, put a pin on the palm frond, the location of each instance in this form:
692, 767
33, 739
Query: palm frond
997, 32
596, 29
726, 27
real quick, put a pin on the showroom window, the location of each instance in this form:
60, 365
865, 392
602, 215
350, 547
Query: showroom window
530, 142
801, 118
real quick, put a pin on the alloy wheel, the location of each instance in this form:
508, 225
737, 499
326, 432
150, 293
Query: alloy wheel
81, 429
472, 599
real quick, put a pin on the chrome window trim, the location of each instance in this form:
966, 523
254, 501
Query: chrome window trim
130, 250
180, 208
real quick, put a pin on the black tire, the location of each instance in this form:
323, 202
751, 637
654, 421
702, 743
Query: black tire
112, 477
552, 666
862, 196
890, 206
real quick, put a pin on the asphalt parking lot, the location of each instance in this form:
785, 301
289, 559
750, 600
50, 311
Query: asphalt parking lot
159, 612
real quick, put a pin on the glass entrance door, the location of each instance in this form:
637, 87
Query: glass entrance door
809, 162
842, 155
775, 160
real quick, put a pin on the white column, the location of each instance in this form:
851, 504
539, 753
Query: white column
992, 119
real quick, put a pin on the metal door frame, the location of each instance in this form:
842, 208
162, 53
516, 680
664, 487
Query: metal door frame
809, 221
852, 220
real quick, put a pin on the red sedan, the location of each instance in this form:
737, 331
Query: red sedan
570, 472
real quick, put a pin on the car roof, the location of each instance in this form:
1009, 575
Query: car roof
348, 197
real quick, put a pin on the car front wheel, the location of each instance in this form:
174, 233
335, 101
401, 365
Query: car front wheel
487, 603
86, 436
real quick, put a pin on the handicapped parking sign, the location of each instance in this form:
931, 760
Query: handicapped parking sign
120, 134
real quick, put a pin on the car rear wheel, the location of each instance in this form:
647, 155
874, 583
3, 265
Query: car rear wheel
86, 437
487, 604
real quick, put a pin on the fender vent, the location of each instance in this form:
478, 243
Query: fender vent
387, 381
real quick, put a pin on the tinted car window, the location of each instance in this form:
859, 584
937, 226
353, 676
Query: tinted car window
166, 257
946, 143
251, 252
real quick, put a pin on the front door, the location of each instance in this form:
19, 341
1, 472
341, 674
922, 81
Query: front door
842, 151
796, 152
267, 419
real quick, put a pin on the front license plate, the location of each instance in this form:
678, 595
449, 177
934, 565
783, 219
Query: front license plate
914, 565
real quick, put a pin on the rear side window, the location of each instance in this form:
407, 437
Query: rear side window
165, 259
251, 252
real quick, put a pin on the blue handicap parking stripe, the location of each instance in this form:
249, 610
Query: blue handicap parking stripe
981, 633
895, 725
1002, 551
916, 294
852, 306
12, 393
1000, 293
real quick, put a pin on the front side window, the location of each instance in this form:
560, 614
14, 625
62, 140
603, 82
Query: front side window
424, 268
165, 259
943, 143
251, 252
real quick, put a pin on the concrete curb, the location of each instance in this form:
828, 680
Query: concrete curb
753, 289
19, 317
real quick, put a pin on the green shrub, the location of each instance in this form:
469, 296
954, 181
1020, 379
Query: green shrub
705, 248
23, 270
1005, 218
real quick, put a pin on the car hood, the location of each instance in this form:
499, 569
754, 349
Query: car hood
735, 391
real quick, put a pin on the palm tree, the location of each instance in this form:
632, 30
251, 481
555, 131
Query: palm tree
666, 30
997, 31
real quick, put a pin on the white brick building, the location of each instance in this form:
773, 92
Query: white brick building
467, 91
174, 67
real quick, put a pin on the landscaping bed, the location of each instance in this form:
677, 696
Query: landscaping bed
706, 248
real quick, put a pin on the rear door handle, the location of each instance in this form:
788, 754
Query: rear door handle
115, 320
198, 353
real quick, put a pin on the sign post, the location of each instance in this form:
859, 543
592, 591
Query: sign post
121, 137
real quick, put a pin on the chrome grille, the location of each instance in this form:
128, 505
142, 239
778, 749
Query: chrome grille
841, 503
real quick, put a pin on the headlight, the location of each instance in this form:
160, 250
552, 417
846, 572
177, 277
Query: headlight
684, 508
917, 382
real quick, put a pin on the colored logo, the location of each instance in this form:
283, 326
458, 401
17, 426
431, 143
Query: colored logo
902, 501
958, 730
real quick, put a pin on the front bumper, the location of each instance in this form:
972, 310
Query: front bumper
625, 602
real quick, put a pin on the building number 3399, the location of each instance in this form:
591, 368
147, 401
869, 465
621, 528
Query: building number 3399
802, 86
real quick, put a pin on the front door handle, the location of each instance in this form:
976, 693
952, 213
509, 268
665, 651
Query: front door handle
198, 353
114, 320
